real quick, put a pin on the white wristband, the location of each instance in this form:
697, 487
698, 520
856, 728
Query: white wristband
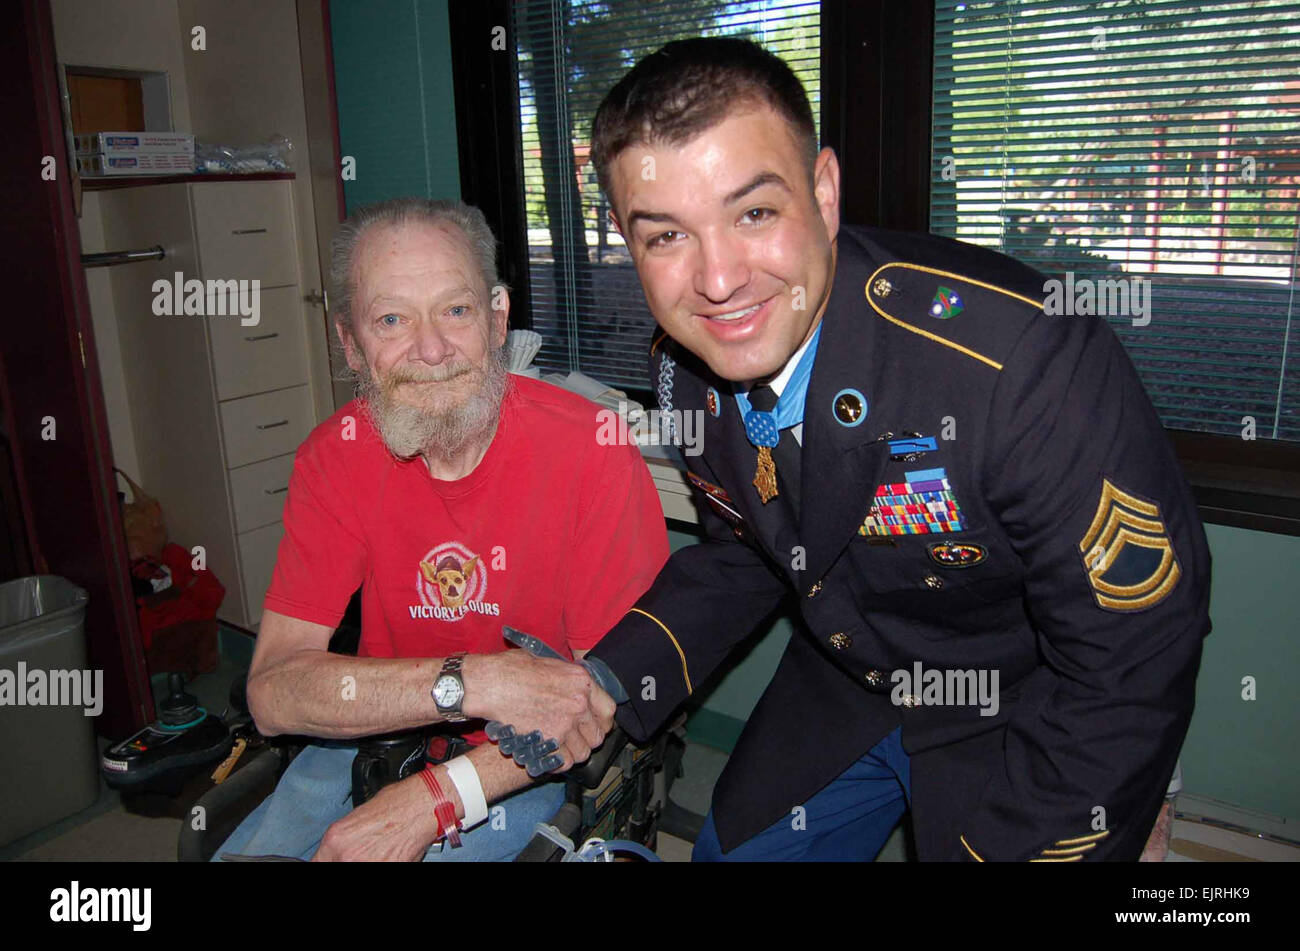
464, 777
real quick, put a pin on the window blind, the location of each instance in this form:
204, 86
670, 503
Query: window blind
1145, 147
586, 299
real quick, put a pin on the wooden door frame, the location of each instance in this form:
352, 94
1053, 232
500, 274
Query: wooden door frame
48, 369
324, 152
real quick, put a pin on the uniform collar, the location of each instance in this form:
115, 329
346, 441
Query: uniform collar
779, 382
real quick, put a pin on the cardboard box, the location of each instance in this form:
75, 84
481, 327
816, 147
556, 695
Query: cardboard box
135, 142
173, 163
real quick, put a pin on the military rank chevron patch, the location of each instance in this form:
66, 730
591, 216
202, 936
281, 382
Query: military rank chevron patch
1127, 553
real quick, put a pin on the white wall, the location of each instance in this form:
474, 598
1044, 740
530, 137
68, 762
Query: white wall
125, 34
118, 34
107, 344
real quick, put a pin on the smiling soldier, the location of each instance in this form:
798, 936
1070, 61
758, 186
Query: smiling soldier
943, 477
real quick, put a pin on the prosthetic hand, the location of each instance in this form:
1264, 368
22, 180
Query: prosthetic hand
533, 751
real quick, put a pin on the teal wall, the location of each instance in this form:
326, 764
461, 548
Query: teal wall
1245, 752
1242, 752
397, 113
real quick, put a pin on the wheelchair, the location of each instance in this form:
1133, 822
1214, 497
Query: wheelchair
620, 793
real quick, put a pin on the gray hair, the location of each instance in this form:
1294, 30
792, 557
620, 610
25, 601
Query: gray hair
402, 211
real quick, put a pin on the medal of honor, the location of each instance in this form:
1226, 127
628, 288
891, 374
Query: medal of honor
761, 429
765, 475
763, 426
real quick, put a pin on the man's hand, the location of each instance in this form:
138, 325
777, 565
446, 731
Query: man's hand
554, 698
397, 825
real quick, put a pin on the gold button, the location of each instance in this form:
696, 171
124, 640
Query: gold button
814, 590
875, 678
882, 287
840, 640
911, 701
934, 582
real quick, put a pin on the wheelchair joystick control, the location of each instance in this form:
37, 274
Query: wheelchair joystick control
180, 707
184, 740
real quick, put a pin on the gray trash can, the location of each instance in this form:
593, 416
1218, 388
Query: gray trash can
49, 754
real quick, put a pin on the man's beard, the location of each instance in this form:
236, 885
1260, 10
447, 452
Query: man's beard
444, 431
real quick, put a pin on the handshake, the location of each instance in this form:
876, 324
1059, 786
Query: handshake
569, 707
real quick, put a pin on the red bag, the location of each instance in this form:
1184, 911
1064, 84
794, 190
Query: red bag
179, 624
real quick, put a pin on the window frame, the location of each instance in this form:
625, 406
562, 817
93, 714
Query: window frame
881, 60
877, 62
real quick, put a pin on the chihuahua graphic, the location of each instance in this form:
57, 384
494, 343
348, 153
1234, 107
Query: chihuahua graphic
451, 577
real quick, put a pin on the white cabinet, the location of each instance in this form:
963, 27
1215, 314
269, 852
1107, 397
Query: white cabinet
245, 230
218, 404
248, 360
258, 492
270, 424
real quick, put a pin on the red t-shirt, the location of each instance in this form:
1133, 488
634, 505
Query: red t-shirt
553, 533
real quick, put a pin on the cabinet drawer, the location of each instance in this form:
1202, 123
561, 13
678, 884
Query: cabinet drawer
270, 355
257, 550
261, 427
259, 492
245, 232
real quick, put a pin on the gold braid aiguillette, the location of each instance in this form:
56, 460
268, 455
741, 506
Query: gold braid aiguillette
765, 475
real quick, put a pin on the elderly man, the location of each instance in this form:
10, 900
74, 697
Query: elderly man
461, 499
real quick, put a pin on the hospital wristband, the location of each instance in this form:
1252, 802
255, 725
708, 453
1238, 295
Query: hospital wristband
443, 808
464, 777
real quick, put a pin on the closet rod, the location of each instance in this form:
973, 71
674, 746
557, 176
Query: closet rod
109, 258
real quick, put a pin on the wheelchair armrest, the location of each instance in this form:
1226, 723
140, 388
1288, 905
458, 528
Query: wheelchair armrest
589, 774
229, 803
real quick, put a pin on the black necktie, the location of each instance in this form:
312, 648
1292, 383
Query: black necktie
786, 452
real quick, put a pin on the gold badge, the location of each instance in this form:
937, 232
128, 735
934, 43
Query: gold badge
1127, 553
848, 408
765, 475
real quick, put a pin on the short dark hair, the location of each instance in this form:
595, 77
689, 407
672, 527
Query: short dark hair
688, 86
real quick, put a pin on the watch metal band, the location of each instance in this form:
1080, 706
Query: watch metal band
452, 665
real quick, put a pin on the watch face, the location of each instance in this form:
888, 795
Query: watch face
448, 691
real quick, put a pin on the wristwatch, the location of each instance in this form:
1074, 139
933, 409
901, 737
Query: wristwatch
449, 689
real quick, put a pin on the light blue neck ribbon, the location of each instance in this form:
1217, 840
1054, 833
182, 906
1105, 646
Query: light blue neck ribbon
764, 429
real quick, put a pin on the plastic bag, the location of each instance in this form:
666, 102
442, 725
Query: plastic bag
273, 155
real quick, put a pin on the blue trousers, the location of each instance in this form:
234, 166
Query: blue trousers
847, 821
316, 791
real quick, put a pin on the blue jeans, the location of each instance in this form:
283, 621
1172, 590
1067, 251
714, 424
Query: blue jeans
847, 821
316, 791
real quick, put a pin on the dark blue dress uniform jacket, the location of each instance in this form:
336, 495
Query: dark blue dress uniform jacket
1088, 597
